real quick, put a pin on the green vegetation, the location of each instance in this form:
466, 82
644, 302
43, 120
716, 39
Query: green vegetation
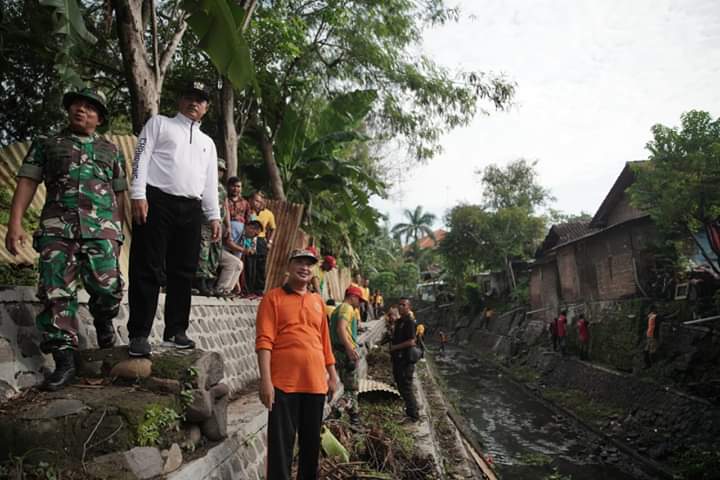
523, 373
582, 405
556, 475
12, 274
677, 186
157, 420
697, 464
503, 228
534, 458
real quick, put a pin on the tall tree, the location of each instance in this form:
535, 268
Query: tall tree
516, 185
418, 223
144, 62
318, 49
678, 185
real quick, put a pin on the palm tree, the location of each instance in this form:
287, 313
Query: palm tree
418, 222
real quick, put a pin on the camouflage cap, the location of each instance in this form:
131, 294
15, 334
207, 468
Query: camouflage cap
96, 97
221, 164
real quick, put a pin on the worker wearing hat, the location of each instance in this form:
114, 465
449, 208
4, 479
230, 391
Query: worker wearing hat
343, 335
173, 190
297, 369
80, 230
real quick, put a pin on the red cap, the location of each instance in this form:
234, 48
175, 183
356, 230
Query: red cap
357, 291
330, 262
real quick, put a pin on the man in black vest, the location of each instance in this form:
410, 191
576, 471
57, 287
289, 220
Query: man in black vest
403, 370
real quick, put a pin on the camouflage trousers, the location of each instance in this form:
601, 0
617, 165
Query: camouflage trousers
63, 263
347, 371
210, 253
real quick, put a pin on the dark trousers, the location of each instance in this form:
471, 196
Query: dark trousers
403, 375
584, 346
164, 251
291, 414
250, 272
258, 285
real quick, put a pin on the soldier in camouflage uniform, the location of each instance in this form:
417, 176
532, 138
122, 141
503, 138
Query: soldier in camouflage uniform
210, 251
80, 230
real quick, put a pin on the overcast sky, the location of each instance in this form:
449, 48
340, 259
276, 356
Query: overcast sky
592, 77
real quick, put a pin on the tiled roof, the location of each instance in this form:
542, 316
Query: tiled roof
427, 242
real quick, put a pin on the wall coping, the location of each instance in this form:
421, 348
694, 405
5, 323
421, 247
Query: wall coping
28, 295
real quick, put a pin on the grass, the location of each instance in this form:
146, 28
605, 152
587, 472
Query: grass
523, 373
534, 458
582, 405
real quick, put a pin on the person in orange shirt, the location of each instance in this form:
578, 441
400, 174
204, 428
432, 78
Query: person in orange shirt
297, 369
650, 342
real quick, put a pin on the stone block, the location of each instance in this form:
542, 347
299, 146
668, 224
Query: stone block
144, 462
201, 407
132, 369
215, 427
7, 352
173, 459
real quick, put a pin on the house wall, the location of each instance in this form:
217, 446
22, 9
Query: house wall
568, 274
544, 289
623, 211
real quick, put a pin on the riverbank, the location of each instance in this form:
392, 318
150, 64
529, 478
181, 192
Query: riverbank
639, 413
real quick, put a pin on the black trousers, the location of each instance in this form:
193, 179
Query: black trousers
403, 375
294, 414
164, 251
258, 285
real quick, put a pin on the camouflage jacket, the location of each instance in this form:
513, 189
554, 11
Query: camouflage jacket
82, 176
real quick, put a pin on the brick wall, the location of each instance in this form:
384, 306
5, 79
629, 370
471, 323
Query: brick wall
568, 275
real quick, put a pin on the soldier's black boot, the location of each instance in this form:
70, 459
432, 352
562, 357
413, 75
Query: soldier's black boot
64, 370
203, 285
105, 334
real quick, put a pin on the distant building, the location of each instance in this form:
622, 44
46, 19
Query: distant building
603, 259
428, 242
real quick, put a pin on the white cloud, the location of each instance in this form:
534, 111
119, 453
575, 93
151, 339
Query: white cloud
593, 77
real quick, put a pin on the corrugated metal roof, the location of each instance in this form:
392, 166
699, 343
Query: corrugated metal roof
366, 385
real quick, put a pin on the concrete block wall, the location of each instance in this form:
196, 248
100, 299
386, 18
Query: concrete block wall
224, 326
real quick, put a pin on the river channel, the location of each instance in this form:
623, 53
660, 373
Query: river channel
524, 439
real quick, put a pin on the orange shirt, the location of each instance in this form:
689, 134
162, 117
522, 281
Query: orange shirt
651, 325
295, 330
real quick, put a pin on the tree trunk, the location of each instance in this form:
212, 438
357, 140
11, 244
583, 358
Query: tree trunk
144, 77
227, 106
227, 126
274, 173
144, 94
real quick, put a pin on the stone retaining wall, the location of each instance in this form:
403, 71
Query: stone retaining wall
219, 325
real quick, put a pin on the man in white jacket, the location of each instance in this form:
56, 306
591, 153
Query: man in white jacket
174, 183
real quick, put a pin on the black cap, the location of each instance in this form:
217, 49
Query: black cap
196, 87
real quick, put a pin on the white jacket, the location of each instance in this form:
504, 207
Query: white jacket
173, 155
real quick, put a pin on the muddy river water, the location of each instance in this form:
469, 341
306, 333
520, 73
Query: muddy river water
524, 439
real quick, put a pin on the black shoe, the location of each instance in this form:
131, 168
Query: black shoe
179, 341
64, 370
105, 334
355, 419
139, 347
203, 286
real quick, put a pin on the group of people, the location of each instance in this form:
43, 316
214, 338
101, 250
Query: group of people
236, 265
559, 330
304, 348
181, 217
